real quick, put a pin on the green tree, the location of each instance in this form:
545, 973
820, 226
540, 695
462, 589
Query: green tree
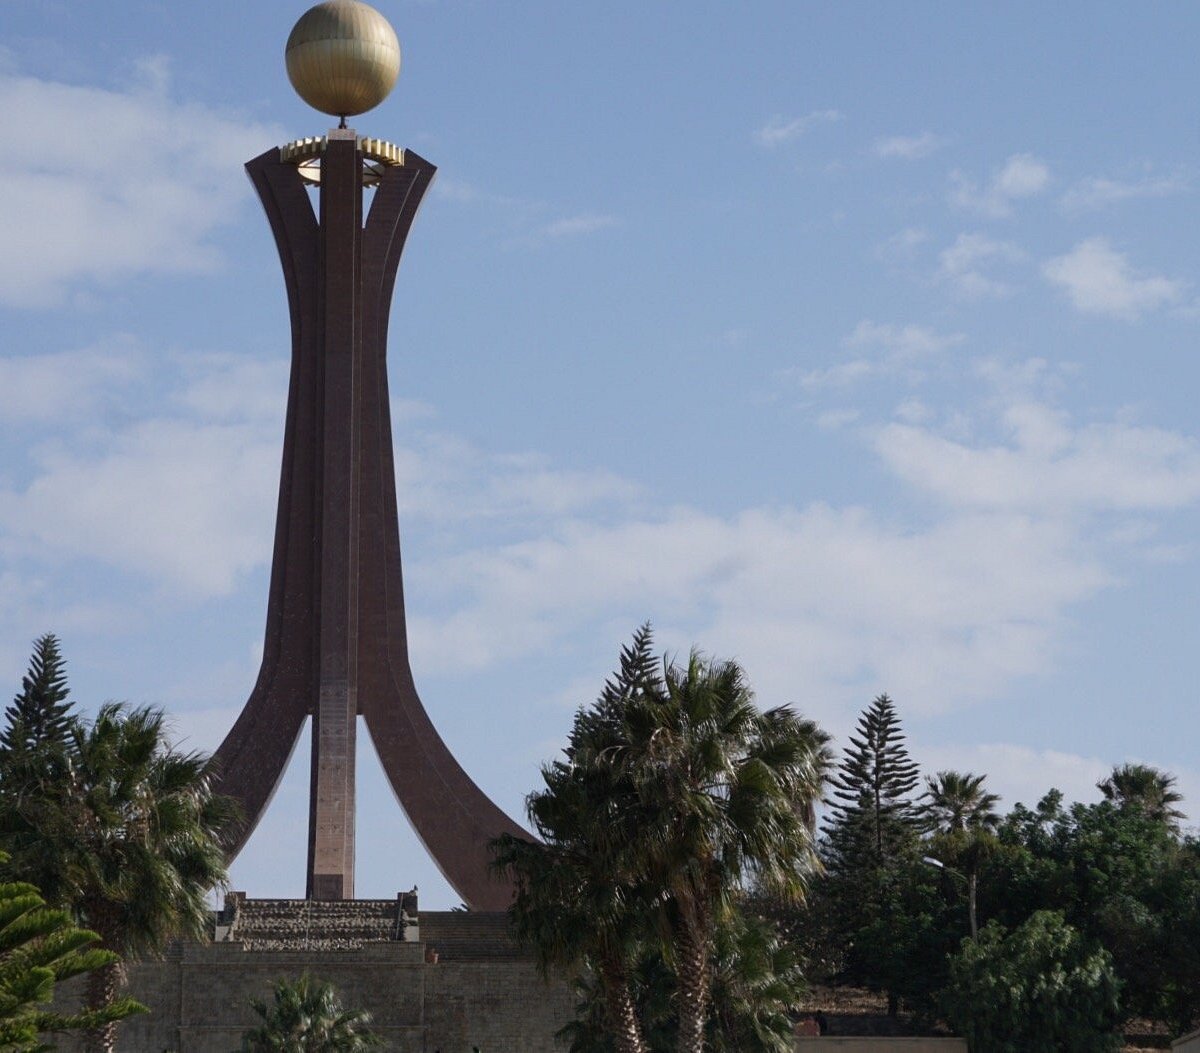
1038, 989
871, 851
123, 830
963, 819
723, 791
41, 711
307, 1016
1145, 789
757, 983
38, 948
579, 899
678, 791
1125, 880
872, 815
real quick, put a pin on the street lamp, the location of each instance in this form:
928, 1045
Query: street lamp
969, 880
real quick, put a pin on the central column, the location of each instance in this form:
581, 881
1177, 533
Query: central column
331, 813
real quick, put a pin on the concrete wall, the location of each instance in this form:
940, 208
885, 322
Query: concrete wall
199, 997
1187, 1044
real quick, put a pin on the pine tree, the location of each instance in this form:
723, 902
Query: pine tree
873, 816
871, 844
41, 712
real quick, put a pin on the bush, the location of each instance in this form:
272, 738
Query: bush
1038, 989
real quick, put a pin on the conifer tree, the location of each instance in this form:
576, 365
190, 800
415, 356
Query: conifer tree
873, 816
875, 884
41, 711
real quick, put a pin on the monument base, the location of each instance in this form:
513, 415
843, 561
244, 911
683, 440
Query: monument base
437, 982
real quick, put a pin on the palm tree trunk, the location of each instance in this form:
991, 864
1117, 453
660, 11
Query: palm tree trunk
103, 987
622, 1013
972, 884
694, 980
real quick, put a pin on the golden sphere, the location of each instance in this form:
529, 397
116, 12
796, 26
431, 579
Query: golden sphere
343, 57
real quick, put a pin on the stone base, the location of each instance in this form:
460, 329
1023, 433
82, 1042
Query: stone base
461, 983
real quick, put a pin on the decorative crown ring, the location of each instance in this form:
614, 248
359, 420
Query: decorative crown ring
377, 155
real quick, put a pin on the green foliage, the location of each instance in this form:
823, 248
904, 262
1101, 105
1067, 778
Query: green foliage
38, 947
1141, 788
871, 854
116, 826
1038, 989
674, 792
757, 983
1125, 880
873, 818
41, 712
307, 1016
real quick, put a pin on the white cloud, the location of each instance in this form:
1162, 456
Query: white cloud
901, 247
1098, 192
163, 178
1019, 773
829, 605
188, 502
898, 348
1022, 176
906, 147
779, 130
60, 388
1099, 280
1048, 466
575, 226
838, 376
962, 265
905, 342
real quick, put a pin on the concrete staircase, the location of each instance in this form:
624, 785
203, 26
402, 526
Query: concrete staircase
462, 936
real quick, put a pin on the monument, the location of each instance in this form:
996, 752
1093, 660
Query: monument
336, 644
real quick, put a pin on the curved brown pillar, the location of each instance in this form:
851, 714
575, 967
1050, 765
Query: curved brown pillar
336, 642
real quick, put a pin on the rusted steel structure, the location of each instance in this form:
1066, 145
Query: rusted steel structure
336, 644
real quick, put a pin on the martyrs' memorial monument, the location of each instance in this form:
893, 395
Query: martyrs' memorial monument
336, 645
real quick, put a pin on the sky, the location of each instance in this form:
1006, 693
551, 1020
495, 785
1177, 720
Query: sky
856, 342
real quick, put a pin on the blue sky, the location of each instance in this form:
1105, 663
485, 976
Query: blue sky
856, 342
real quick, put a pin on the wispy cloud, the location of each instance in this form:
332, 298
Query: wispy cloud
902, 247
1099, 280
902, 342
963, 265
69, 225
906, 147
1021, 176
577, 226
895, 348
1098, 192
1046, 464
780, 130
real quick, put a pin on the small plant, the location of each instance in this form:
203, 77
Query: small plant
307, 1016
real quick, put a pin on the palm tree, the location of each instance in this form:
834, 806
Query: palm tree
722, 790
307, 1016
675, 791
578, 901
1145, 789
125, 831
963, 819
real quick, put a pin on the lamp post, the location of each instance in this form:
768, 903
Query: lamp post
970, 880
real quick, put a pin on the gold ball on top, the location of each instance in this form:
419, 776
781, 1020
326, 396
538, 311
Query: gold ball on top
343, 57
